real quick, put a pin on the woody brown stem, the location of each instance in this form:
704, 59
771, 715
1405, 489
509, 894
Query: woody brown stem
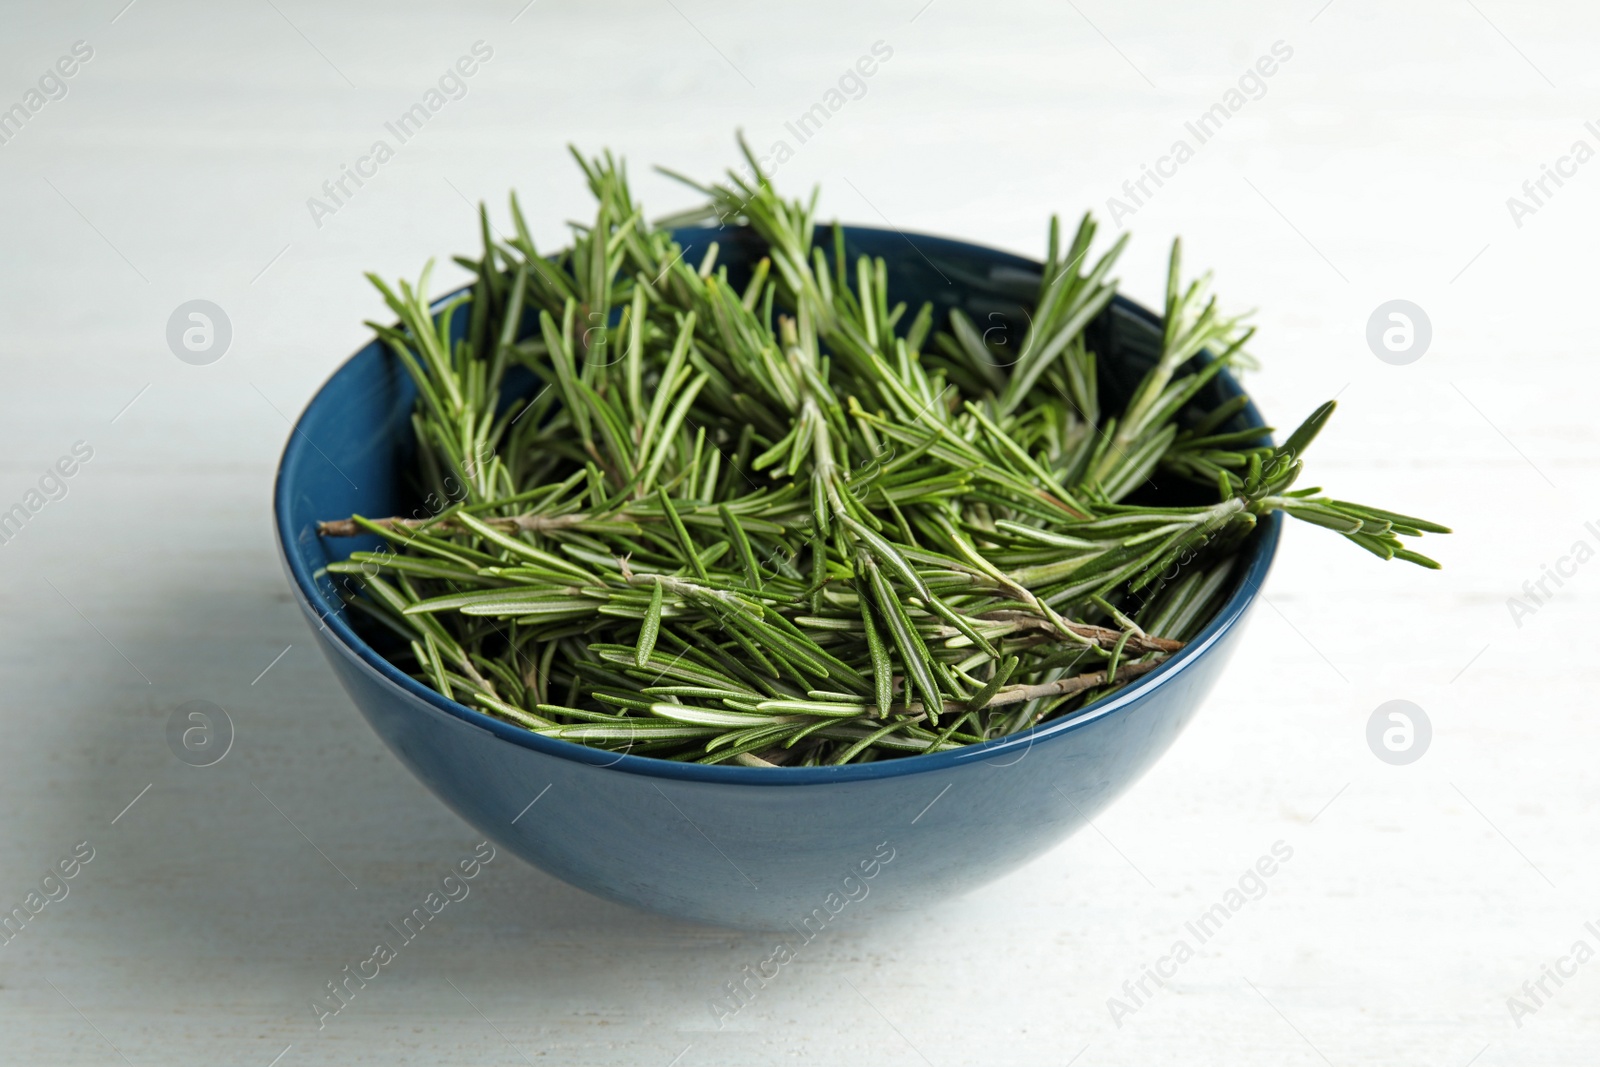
1018, 694
1103, 636
509, 524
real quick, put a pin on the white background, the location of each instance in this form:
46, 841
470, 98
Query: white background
1376, 166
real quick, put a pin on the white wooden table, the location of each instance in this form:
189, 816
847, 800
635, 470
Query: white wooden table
1375, 165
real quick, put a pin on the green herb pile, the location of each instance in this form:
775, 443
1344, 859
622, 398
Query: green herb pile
790, 524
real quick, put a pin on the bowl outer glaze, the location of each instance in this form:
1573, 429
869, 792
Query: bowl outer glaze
756, 848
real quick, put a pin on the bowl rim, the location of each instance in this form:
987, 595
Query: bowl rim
1260, 551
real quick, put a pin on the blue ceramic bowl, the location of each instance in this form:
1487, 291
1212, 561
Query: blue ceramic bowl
772, 849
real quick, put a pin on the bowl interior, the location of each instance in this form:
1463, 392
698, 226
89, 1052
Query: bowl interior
353, 450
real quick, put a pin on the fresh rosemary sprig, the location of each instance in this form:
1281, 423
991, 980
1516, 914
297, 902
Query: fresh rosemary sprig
784, 525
